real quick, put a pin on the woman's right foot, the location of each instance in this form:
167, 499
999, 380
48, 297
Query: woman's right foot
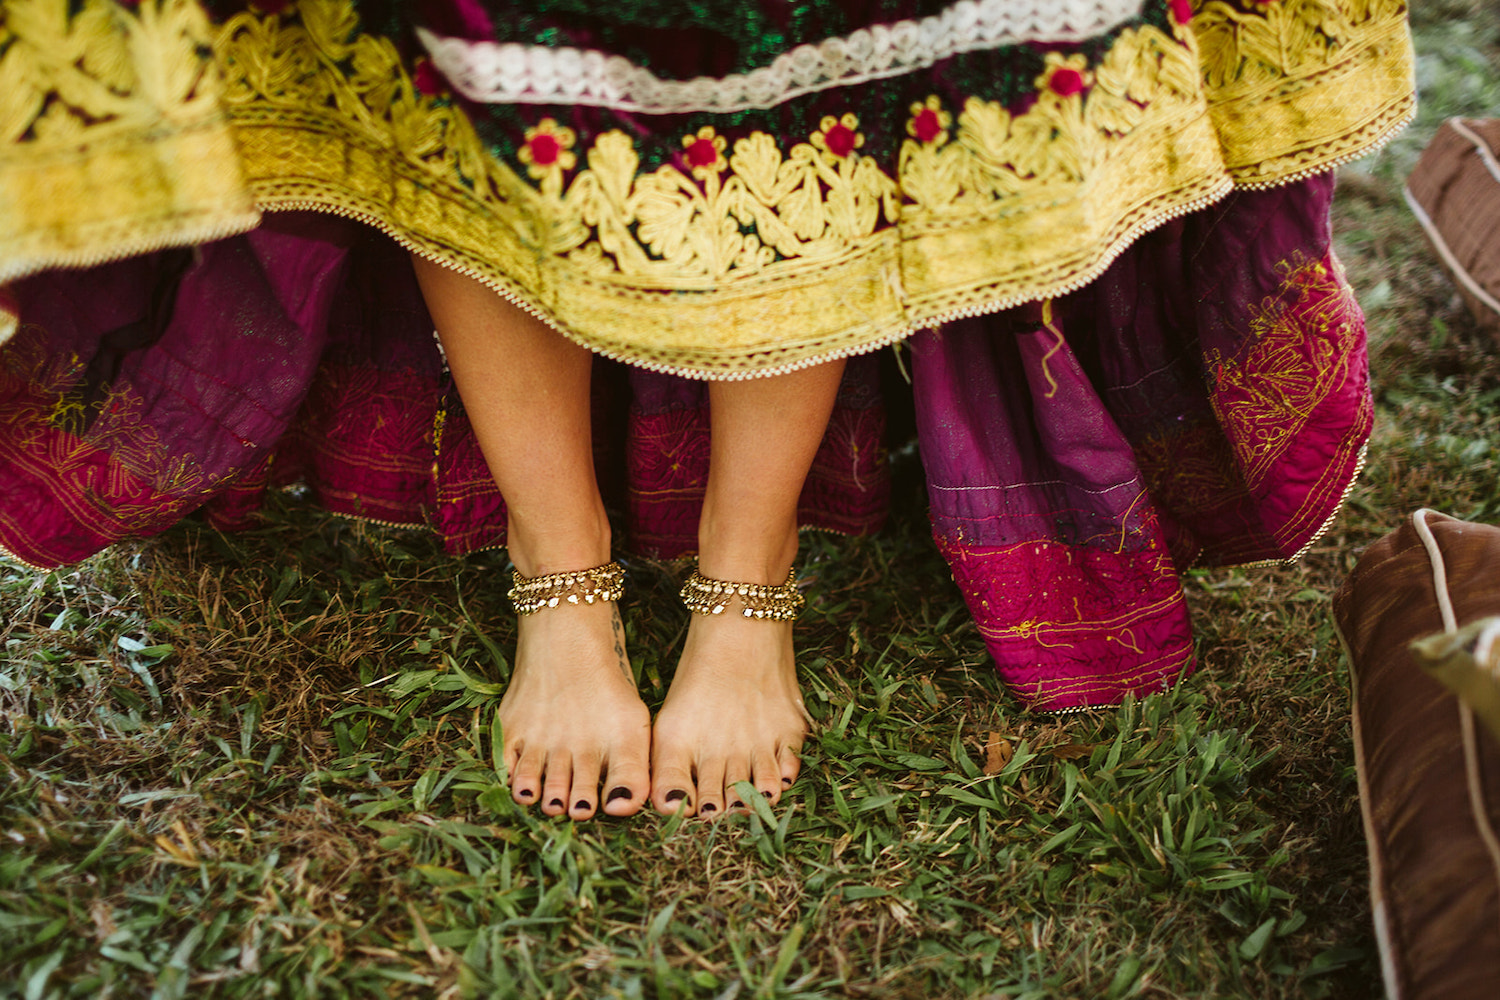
577, 735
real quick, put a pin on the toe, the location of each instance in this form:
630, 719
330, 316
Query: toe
584, 792
626, 785
672, 785
526, 776
736, 777
558, 784
791, 763
767, 776
711, 789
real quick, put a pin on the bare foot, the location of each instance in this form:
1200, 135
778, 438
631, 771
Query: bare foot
734, 713
574, 722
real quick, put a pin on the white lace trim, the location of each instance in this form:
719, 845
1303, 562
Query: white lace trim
510, 73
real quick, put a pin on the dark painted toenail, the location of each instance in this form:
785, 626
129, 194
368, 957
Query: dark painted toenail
618, 793
525, 793
708, 808
581, 804
676, 794
737, 804
786, 782
556, 802
766, 794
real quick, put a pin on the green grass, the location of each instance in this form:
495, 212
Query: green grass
264, 765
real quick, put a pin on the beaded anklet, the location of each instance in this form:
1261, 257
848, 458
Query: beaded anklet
777, 602
583, 586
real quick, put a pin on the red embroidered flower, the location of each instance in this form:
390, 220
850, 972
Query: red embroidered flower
548, 148
926, 125
701, 153
427, 79
840, 140
544, 150
929, 122
1066, 76
705, 152
838, 137
1182, 11
1066, 82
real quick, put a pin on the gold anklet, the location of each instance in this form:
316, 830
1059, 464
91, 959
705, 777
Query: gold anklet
778, 602
583, 586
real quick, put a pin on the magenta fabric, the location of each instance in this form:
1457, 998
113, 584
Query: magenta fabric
1205, 400
139, 392
847, 491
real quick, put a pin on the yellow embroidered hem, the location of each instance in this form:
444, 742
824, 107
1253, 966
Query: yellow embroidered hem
112, 139
1295, 91
741, 260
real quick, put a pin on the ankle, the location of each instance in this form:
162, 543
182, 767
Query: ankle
558, 545
763, 557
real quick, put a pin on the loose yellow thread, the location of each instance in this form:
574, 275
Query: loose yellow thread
1047, 322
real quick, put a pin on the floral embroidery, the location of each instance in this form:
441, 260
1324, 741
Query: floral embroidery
548, 152
745, 254
1259, 63
1271, 41
705, 152
1300, 352
118, 105
929, 122
1066, 77
1182, 11
838, 137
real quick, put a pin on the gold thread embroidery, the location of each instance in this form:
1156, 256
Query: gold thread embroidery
773, 259
1299, 352
1299, 86
112, 141
792, 257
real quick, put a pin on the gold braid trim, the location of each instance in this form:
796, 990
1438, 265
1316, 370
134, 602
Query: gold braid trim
112, 141
1297, 87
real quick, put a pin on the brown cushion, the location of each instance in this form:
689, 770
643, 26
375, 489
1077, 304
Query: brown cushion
1429, 776
1455, 193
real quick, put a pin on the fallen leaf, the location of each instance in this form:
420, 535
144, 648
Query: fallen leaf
1070, 751
997, 753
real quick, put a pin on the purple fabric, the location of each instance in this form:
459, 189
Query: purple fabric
1206, 399
122, 415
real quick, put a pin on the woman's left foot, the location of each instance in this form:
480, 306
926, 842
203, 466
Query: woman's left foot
733, 713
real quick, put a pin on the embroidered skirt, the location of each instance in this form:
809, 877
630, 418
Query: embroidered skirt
1100, 226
